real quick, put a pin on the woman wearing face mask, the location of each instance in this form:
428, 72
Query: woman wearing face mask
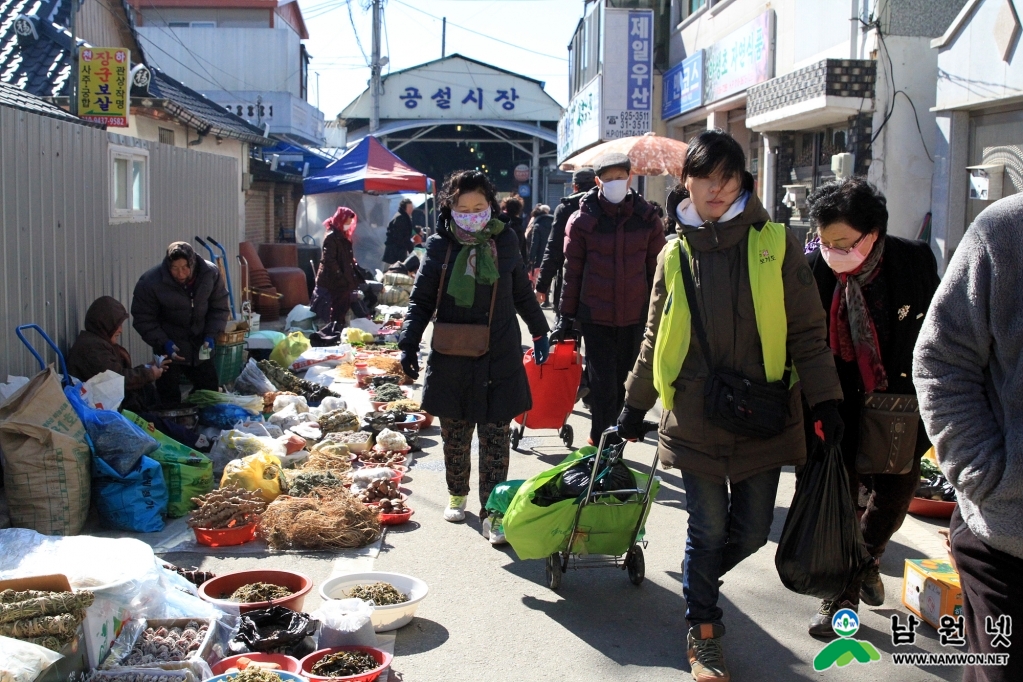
755, 312
877, 289
611, 247
337, 276
480, 265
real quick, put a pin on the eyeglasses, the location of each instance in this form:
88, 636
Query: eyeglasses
846, 250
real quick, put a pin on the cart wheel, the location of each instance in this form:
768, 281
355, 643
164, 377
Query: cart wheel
516, 438
553, 569
567, 435
636, 565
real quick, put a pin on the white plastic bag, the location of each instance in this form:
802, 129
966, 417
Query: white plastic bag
345, 622
105, 391
262, 429
332, 356
328, 404
321, 375
301, 318
311, 431
299, 401
11, 387
252, 380
23, 662
366, 325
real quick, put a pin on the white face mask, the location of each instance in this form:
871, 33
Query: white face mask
615, 191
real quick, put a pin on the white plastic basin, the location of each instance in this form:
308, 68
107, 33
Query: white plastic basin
385, 618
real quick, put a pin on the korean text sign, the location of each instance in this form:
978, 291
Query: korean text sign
103, 85
628, 73
683, 86
580, 126
743, 58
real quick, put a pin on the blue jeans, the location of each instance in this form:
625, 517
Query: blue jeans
723, 530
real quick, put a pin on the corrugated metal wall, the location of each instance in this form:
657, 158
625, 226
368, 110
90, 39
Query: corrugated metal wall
58, 249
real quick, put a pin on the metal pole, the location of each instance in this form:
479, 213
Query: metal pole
73, 108
317, 89
374, 121
536, 172
443, 37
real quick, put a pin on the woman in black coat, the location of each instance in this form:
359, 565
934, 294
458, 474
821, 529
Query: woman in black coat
400, 230
337, 275
473, 253
877, 289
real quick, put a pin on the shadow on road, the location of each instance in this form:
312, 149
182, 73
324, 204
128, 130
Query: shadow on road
419, 636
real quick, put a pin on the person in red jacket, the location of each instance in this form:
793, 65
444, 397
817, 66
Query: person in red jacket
611, 249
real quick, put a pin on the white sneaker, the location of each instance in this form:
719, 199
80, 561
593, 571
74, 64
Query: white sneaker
485, 531
456, 508
496, 531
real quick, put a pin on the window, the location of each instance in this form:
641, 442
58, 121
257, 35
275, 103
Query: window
688, 8
129, 184
167, 136
192, 24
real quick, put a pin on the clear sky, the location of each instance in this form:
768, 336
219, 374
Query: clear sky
543, 27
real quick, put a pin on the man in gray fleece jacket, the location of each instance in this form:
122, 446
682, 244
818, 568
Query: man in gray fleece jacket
967, 371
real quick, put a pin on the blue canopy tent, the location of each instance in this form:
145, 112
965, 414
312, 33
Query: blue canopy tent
367, 167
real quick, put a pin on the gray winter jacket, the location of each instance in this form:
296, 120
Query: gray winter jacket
966, 373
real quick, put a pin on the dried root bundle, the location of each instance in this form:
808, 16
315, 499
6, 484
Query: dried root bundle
227, 508
32, 604
62, 627
331, 519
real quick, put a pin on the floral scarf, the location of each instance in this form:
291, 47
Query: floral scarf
851, 329
475, 264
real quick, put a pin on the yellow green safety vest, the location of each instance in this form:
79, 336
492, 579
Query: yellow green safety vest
766, 253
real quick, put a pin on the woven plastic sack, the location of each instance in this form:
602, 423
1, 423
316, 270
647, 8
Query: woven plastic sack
134, 502
46, 458
288, 350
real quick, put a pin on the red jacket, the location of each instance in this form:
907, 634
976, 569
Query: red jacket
610, 259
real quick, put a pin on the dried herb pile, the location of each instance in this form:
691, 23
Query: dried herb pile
254, 592
381, 594
286, 380
49, 619
344, 664
330, 519
304, 483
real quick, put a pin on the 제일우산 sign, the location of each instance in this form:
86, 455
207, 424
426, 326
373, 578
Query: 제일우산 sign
628, 73
103, 85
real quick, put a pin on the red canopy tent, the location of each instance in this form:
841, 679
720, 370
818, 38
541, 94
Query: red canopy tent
367, 167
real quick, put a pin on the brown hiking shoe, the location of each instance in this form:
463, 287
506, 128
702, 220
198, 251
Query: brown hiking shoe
872, 589
706, 657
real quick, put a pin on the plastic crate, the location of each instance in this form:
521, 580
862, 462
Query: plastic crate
229, 360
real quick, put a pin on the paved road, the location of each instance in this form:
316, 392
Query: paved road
491, 617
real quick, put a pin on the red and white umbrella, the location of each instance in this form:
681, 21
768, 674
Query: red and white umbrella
650, 155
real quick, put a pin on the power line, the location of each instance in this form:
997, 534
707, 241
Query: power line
483, 35
351, 20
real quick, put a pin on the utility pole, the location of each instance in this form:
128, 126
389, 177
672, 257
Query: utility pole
376, 67
317, 89
443, 37
73, 91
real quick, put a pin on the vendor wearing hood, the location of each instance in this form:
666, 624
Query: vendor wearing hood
338, 275
179, 307
97, 349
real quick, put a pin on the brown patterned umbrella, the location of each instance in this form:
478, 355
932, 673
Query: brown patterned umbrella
650, 155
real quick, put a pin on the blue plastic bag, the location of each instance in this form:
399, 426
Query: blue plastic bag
117, 441
224, 415
134, 502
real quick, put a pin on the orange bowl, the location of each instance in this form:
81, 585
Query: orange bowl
935, 509
395, 519
211, 590
382, 657
287, 663
225, 537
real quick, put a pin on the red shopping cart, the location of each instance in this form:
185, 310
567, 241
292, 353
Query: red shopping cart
554, 386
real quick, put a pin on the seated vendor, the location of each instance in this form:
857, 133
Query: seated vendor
97, 349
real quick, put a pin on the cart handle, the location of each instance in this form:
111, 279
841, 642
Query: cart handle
227, 272
42, 363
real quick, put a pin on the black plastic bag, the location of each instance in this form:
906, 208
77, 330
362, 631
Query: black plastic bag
821, 548
274, 630
576, 479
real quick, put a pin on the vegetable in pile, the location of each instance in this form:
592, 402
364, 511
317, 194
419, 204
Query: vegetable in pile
353, 437
304, 483
227, 508
381, 594
286, 380
254, 674
344, 664
389, 393
247, 594
405, 405
49, 619
338, 420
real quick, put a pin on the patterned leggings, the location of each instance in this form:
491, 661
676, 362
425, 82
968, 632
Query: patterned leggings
494, 455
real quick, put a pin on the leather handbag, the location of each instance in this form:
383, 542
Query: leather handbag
889, 425
732, 401
464, 340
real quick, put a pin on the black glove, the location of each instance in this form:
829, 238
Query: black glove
410, 363
827, 423
630, 423
564, 329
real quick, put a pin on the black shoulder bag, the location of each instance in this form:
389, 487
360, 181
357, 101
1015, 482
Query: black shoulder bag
737, 403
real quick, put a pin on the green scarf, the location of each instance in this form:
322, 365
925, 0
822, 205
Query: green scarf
475, 264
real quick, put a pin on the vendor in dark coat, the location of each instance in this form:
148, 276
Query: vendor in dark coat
179, 306
97, 350
468, 393
337, 275
399, 234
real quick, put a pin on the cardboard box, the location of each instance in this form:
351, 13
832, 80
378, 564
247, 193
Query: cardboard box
74, 652
103, 623
930, 589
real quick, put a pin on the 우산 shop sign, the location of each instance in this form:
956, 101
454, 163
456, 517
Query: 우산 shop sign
103, 85
627, 80
743, 58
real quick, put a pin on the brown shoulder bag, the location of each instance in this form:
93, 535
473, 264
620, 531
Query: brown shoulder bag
465, 340
888, 432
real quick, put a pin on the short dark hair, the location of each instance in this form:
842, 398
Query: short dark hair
464, 181
715, 151
403, 203
513, 205
853, 201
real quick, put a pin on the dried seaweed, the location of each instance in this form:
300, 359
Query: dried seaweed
331, 519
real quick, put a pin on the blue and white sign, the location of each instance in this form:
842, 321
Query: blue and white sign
524, 191
683, 86
627, 79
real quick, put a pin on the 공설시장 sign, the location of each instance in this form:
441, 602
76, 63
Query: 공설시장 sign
743, 58
103, 85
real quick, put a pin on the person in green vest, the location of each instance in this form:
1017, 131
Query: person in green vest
757, 305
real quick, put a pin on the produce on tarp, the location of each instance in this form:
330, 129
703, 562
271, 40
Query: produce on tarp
227, 507
286, 380
333, 520
338, 420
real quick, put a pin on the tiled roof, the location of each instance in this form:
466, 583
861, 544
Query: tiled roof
38, 63
11, 96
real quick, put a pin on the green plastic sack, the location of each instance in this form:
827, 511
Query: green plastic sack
502, 495
604, 528
288, 350
186, 472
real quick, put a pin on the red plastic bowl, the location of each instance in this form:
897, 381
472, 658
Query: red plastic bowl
225, 537
395, 519
382, 657
417, 423
287, 663
377, 405
427, 419
229, 582
935, 509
